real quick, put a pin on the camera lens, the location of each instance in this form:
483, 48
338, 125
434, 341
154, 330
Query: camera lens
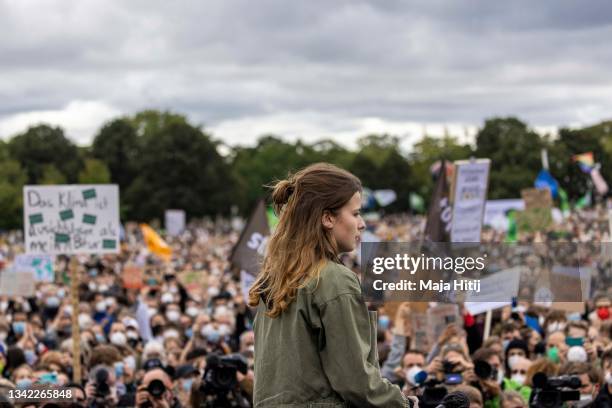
156, 388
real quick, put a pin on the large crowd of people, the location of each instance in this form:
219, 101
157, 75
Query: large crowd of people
184, 337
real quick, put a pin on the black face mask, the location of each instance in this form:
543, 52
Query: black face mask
133, 342
157, 330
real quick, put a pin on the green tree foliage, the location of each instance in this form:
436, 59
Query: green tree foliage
12, 180
117, 145
43, 145
51, 175
429, 150
178, 167
515, 153
95, 172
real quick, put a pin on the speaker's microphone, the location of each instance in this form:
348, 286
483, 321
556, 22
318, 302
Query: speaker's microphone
455, 399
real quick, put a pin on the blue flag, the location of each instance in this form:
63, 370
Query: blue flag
546, 180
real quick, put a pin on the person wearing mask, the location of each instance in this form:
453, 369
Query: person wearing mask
590, 380
605, 394
310, 310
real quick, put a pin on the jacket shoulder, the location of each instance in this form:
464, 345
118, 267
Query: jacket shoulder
334, 280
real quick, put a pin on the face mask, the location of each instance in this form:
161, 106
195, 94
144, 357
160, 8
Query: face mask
519, 378
132, 335
585, 399
603, 313
93, 272
210, 333
92, 286
173, 315
192, 311
608, 377
213, 291
512, 360
130, 362
187, 384
30, 357
189, 333
102, 288
553, 354
151, 311
224, 330
110, 302
171, 334
118, 338
173, 289
61, 293
84, 321
119, 368
52, 302
24, 383
3, 336
3, 306
167, 298
157, 329
19, 327
100, 306
505, 344
383, 322
100, 338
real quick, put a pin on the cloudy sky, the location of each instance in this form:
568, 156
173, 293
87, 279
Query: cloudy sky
308, 69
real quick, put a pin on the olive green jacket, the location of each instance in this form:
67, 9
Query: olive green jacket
321, 351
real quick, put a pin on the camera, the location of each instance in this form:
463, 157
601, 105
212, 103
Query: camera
156, 388
434, 392
219, 382
450, 376
552, 392
101, 389
484, 371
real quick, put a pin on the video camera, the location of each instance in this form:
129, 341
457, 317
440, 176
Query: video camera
101, 389
220, 386
552, 392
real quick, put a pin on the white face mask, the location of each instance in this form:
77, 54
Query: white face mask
101, 306
555, 327
519, 378
168, 334
3, 335
411, 374
167, 298
608, 377
192, 311
118, 338
173, 315
513, 360
585, 399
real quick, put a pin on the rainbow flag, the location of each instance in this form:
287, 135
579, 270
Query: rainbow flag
585, 161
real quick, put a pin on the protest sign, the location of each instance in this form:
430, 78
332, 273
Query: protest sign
496, 291
15, 283
496, 212
440, 316
419, 338
175, 222
536, 198
41, 266
71, 219
194, 282
470, 194
133, 276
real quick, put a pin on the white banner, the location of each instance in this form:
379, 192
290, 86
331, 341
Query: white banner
14, 283
71, 219
470, 194
175, 222
496, 291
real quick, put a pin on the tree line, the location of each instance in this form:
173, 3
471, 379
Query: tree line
160, 160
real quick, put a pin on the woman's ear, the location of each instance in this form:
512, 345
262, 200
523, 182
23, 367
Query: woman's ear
328, 219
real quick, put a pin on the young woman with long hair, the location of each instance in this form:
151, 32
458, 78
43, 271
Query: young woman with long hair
315, 341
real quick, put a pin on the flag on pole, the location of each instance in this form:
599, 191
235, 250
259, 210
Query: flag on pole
546, 180
598, 181
585, 161
248, 252
155, 243
440, 215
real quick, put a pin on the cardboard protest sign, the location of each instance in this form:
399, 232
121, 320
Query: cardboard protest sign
536, 198
470, 195
14, 283
194, 282
71, 219
496, 291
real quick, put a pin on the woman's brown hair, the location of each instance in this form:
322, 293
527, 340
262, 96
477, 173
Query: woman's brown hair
300, 245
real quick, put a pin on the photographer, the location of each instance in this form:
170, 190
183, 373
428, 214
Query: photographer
100, 389
590, 379
156, 391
